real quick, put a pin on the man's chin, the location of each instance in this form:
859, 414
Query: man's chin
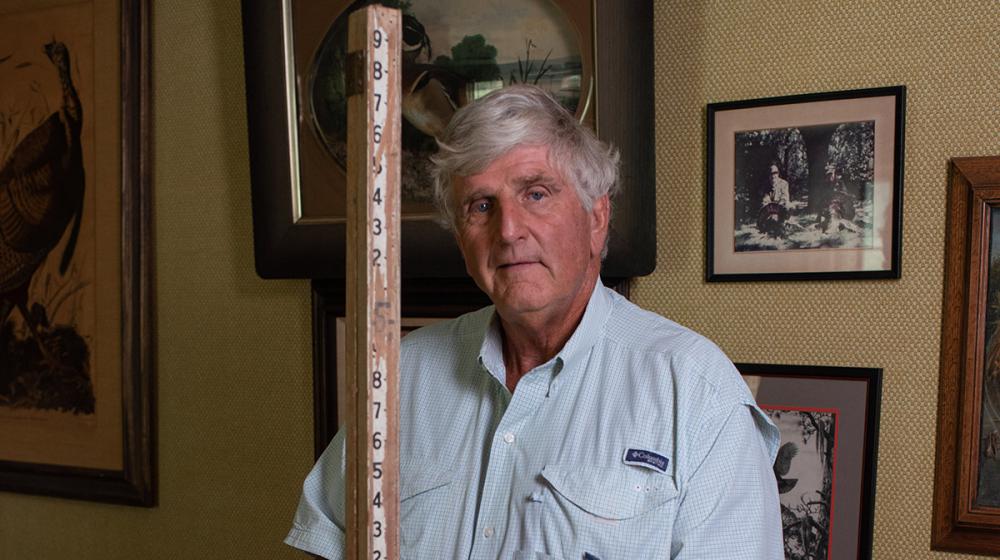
520, 297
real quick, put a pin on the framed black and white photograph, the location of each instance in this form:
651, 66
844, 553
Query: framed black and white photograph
828, 419
806, 186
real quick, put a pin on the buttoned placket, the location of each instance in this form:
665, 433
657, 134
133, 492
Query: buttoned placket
493, 510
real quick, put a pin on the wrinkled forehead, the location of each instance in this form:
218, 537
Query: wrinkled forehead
519, 161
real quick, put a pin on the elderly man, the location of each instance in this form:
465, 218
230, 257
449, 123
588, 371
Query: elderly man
563, 421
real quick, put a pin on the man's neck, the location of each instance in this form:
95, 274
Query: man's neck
529, 342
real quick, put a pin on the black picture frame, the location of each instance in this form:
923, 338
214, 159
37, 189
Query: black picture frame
834, 211
290, 247
135, 483
850, 399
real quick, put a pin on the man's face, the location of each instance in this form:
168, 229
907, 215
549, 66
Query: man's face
526, 238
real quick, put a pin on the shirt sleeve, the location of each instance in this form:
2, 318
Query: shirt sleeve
729, 507
318, 527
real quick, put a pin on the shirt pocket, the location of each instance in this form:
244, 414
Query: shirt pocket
426, 504
607, 512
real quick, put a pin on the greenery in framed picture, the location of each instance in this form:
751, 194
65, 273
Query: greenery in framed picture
453, 53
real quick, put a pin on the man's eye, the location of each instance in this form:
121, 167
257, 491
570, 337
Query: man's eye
536, 195
481, 206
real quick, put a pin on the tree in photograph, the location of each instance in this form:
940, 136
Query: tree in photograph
840, 157
473, 58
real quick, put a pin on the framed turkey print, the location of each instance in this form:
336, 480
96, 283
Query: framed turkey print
75, 356
594, 56
828, 421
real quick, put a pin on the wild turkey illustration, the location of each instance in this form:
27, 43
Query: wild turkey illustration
41, 191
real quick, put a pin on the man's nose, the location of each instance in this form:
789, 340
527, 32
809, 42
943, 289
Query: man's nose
509, 221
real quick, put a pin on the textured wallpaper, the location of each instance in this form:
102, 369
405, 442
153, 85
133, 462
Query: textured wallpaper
946, 54
234, 354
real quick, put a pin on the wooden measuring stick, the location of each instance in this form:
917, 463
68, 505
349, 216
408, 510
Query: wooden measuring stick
372, 353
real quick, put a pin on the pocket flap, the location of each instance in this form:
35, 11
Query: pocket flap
611, 493
417, 477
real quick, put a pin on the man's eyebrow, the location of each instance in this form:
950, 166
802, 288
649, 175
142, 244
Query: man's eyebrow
536, 178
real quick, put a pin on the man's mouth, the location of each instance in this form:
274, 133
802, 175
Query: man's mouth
516, 264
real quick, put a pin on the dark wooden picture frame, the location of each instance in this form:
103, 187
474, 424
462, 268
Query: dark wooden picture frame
289, 247
966, 518
805, 187
134, 483
829, 422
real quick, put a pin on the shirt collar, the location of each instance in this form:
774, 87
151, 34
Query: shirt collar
576, 349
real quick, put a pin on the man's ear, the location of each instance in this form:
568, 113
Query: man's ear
600, 216
600, 213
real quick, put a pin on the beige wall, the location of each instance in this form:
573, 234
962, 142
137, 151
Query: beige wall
946, 54
233, 364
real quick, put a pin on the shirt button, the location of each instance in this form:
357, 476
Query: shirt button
508, 437
488, 532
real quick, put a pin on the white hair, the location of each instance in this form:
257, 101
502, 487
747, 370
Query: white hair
521, 115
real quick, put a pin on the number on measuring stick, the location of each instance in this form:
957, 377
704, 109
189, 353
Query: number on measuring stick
377, 469
377, 70
377, 226
376, 255
378, 101
378, 192
377, 440
377, 379
378, 409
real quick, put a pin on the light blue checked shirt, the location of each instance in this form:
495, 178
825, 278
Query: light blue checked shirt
638, 440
